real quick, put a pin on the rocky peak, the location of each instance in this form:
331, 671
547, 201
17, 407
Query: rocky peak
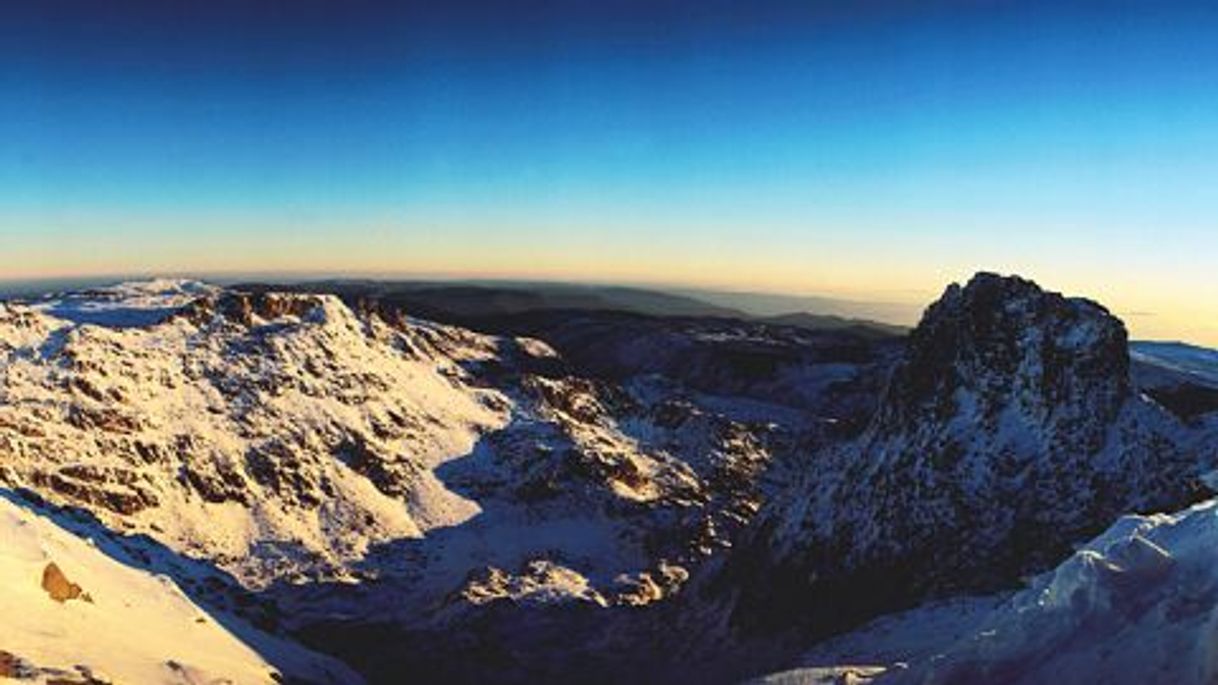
245, 308
1004, 342
1008, 432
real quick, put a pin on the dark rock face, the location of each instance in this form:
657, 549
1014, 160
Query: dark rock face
1009, 343
1008, 432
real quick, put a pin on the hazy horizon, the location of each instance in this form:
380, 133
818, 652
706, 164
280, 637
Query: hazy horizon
750, 302
872, 152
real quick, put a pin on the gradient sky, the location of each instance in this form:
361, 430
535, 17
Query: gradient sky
862, 149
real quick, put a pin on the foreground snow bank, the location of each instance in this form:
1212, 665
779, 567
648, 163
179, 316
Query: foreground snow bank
1138, 604
68, 611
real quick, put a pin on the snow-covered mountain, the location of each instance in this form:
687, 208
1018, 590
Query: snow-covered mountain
590, 495
269, 434
1009, 432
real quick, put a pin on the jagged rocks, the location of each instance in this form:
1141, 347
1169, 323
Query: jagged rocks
539, 582
117, 490
288, 473
651, 586
245, 308
215, 478
390, 475
105, 419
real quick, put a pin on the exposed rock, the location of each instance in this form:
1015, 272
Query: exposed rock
117, 490
59, 587
245, 307
647, 587
539, 582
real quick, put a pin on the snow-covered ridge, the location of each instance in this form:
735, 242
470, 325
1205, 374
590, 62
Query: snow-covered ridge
1138, 604
135, 303
225, 432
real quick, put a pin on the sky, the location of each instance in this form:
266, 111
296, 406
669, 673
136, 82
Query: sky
867, 150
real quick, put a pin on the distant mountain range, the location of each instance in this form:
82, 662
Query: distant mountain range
481, 303
474, 300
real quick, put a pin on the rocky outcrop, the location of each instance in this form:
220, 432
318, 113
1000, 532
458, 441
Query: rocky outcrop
10, 665
247, 308
118, 490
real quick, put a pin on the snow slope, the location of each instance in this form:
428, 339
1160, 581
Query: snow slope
136, 303
1138, 604
127, 626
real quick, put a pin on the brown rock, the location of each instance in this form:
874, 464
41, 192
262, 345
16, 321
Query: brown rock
59, 587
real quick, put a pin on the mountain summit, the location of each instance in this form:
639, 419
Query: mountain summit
1009, 346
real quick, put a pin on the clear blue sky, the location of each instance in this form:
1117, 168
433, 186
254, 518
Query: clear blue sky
865, 148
